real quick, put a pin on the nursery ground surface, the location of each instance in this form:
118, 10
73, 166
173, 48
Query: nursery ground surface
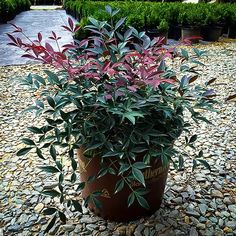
195, 203
44, 20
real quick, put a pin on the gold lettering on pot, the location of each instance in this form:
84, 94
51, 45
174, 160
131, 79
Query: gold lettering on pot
150, 175
105, 193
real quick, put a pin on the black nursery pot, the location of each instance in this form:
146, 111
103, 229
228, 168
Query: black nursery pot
211, 33
232, 32
174, 32
191, 33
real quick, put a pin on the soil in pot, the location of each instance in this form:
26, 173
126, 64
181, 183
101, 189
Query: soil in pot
211, 33
193, 34
115, 206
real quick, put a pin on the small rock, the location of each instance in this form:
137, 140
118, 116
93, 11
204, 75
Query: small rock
228, 230
203, 208
159, 227
227, 201
216, 193
178, 200
193, 232
91, 227
1, 232
38, 208
221, 222
231, 224
14, 228
138, 230
232, 208
193, 213
202, 219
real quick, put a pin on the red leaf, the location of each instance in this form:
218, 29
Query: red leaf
49, 47
12, 38
84, 43
28, 56
40, 37
71, 24
69, 46
77, 28
67, 28
17, 27
12, 44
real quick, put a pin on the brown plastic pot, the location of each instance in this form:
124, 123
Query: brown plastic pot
114, 206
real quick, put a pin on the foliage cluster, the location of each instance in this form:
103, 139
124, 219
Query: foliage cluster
10, 8
148, 15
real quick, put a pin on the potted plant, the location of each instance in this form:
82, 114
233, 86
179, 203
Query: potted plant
232, 25
190, 20
212, 29
162, 29
120, 110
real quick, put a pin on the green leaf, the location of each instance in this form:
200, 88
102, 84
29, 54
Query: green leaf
35, 130
49, 211
40, 79
23, 151
181, 162
51, 101
131, 199
80, 186
184, 53
74, 164
97, 203
50, 224
139, 165
52, 78
138, 175
119, 23
142, 201
131, 116
77, 206
39, 153
53, 152
61, 178
93, 147
119, 185
123, 167
62, 217
102, 172
49, 169
194, 164
52, 193
205, 163
73, 178
28, 141
193, 138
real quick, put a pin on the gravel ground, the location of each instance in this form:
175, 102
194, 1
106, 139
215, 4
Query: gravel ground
195, 203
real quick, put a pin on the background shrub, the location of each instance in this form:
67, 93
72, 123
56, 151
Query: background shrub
10, 8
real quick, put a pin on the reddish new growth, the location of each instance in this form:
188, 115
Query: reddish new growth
133, 59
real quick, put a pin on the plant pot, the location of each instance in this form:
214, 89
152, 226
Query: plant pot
152, 33
115, 206
191, 33
232, 32
211, 33
174, 32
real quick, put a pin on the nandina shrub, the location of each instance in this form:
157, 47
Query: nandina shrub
114, 96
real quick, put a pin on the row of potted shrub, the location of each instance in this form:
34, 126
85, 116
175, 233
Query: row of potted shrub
10, 8
46, 2
154, 15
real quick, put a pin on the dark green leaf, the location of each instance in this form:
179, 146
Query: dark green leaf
142, 201
119, 185
23, 151
35, 130
77, 206
193, 138
53, 152
28, 141
194, 164
184, 53
205, 163
62, 217
181, 162
138, 175
139, 165
50, 224
74, 164
73, 178
51, 101
80, 186
52, 193
52, 77
39, 153
131, 199
49, 211
49, 169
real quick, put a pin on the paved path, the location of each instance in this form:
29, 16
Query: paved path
32, 22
